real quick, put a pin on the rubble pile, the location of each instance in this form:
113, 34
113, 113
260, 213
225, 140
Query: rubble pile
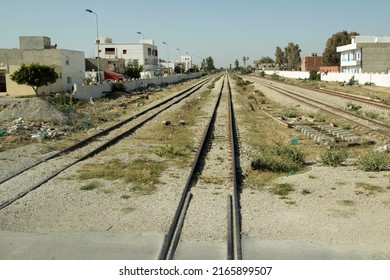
33, 116
33, 109
38, 130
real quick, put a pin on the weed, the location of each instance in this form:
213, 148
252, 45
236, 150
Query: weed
282, 189
290, 202
305, 192
289, 114
342, 213
280, 158
127, 210
353, 107
169, 151
369, 187
346, 202
334, 156
212, 180
371, 115
125, 196
312, 177
142, 173
346, 126
374, 161
91, 186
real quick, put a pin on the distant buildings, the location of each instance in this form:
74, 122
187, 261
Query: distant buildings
145, 53
365, 54
68, 64
312, 62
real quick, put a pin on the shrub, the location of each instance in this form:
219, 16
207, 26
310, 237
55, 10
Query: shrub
314, 76
282, 189
371, 115
280, 158
335, 156
117, 87
374, 161
90, 186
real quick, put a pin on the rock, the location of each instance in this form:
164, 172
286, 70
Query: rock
166, 123
383, 149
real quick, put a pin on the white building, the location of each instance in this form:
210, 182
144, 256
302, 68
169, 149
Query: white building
144, 52
365, 54
68, 64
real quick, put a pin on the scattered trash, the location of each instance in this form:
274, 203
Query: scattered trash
166, 123
294, 140
87, 125
39, 130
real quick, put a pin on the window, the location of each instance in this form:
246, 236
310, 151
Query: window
3, 84
124, 52
69, 80
149, 51
110, 51
67, 60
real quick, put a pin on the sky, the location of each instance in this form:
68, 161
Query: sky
226, 30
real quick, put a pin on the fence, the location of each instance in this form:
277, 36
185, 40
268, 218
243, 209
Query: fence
85, 92
362, 78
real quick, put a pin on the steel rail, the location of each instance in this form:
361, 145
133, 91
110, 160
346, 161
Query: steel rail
307, 101
85, 141
347, 96
97, 150
236, 199
166, 247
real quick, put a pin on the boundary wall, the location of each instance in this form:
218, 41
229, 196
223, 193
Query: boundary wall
362, 78
85, 92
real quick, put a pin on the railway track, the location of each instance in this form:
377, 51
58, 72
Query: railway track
212, 182
373, 125
13, 186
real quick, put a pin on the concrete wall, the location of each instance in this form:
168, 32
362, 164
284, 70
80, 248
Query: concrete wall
378, 79
375, 58
69, 65
85, 92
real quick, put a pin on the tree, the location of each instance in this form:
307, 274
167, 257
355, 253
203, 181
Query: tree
209, 64
330, 57
266, 59
245, 59
35, 75
290, 59
133, 69
280, 58
236, 63
293, 55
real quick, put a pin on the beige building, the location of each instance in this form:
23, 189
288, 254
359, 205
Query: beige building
68, 64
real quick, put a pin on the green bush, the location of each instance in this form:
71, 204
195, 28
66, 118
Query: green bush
335, 156
280, 158
314, 76
374, 161
117, 87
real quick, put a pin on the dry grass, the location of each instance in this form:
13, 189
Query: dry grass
142, 174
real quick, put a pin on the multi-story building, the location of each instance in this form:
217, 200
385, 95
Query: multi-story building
312, 62
68, 64
144, 52
365, 54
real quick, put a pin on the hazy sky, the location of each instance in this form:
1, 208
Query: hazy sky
223, 29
